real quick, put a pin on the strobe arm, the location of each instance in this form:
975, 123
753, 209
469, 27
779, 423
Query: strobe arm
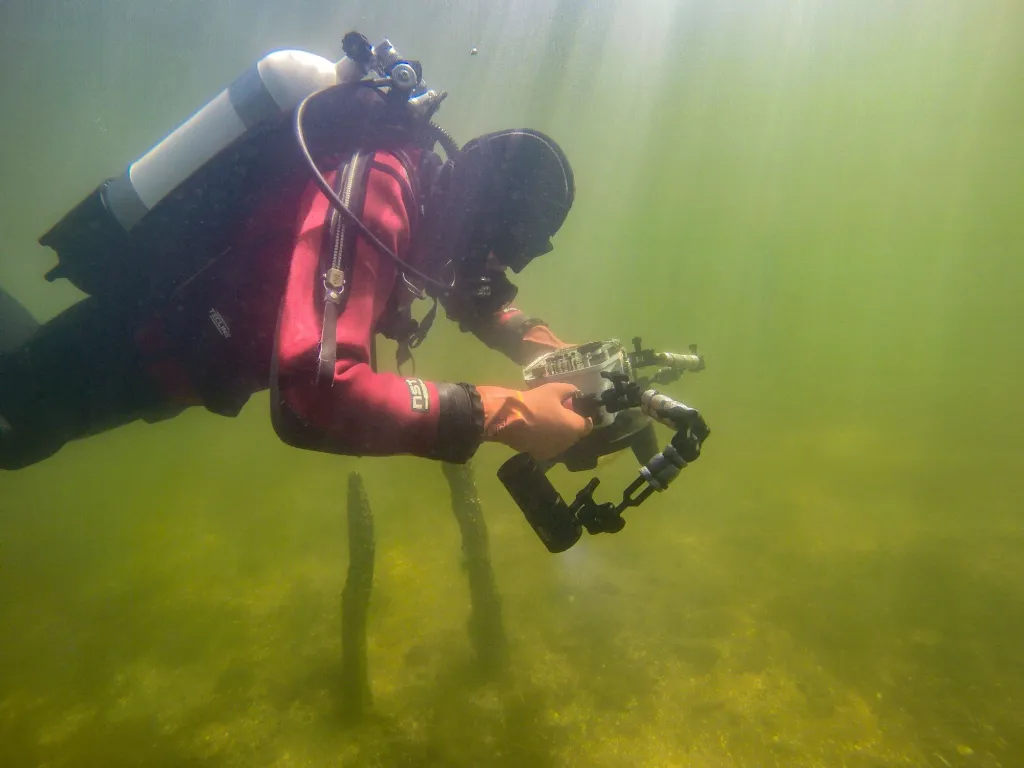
663, 468
673, 365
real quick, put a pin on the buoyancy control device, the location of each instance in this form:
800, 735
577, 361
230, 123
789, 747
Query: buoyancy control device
175, 210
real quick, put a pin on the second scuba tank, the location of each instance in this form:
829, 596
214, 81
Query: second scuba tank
195, 181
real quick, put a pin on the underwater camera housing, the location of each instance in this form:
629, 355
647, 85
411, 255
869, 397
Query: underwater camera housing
624, 409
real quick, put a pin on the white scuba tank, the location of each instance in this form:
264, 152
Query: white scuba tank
270, 88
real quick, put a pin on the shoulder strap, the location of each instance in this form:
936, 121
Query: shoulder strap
405, 330
336, 254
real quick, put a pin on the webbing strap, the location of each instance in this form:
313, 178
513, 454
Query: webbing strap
336, 255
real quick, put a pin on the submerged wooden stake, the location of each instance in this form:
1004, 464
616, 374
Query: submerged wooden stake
356, 696
486, 630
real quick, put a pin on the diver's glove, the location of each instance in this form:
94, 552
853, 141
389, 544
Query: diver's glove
539, 421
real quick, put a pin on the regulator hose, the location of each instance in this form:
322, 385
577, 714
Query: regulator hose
445, 139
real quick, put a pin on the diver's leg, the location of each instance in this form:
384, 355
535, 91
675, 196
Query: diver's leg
78, 375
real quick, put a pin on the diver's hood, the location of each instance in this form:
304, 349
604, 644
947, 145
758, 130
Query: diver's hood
507, 192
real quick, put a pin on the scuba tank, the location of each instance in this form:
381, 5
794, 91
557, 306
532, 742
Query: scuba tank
175, 210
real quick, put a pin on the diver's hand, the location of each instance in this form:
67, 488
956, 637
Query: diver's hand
539, 421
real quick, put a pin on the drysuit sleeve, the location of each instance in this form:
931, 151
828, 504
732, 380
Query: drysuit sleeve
360, 412
520, 338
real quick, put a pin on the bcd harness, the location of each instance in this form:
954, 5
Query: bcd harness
337, 261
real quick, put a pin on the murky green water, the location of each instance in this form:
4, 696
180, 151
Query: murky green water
826, 196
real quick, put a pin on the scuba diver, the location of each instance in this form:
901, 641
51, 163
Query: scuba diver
224, 262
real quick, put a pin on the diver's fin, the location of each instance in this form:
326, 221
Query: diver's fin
16, 323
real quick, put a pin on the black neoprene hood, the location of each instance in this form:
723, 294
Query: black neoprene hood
508, 193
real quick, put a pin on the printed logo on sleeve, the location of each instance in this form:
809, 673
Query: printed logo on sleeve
419, 394
220, 323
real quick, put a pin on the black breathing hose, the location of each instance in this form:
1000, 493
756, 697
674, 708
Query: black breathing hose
443, 137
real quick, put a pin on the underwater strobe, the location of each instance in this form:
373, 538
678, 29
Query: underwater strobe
624, 409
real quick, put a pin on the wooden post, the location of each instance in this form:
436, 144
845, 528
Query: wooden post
356, 696
486, 629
